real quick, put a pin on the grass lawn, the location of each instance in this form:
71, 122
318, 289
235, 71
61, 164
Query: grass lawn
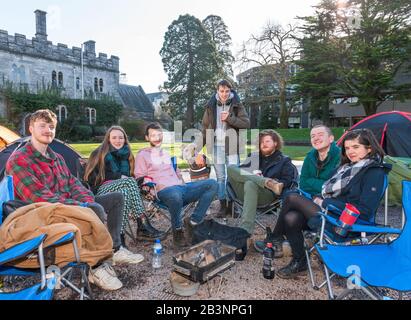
295, 153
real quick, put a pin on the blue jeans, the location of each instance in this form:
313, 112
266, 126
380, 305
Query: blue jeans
221, 161
176, 197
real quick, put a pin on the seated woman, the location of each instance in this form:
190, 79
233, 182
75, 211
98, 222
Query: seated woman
110, 168
263, 177
359, 181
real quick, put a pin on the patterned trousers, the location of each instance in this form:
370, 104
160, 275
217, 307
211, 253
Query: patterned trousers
131, 192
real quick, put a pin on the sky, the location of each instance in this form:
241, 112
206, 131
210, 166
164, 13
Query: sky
134, 29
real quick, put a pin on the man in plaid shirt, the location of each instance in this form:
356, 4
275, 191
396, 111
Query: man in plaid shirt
41, 175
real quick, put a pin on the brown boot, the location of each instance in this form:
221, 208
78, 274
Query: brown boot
274, 186
179, 240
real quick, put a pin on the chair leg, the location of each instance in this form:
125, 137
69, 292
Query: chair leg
329, 286
310, 270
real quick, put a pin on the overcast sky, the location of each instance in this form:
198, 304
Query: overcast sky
134, 29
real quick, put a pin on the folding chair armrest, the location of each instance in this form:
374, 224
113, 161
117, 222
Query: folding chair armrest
21, 250
374, 229
64, 239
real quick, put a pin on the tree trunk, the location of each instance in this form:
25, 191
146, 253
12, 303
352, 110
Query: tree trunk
283, 108
370, 107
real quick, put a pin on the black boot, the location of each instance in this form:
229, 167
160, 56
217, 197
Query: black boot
145, 231
179, 240
224, 210
276, 241
123, 240
189, 227
296, 266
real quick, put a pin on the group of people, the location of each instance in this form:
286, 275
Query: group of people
330, 175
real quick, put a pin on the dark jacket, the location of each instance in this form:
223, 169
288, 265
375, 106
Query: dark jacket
109, 175
279, 167
237, 119
364, 191
312, 177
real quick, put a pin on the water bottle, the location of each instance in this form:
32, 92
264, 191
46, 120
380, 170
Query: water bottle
268, 262
157, 252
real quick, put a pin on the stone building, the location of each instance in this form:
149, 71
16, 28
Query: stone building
78, 72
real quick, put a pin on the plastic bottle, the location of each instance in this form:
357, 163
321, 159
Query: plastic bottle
157, 252
268, 261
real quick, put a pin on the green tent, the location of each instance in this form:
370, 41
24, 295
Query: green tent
401, 170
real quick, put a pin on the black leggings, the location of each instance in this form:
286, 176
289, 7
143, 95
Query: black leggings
294, 214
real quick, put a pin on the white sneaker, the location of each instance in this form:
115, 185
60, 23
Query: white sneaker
125, 256
105, 277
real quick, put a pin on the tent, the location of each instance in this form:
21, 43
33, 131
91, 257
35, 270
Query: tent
69, 154
7, 136
392, 129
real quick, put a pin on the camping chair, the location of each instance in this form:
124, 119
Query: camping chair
51, 278
272, 207
361, 233
384, 265
153, 205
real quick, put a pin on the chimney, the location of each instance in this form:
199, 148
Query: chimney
90, 47
41, 25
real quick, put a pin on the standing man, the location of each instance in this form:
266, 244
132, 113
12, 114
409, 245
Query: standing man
224, 115
41, 175
154, 162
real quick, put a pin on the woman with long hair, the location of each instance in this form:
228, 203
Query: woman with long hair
359, 181
110, 168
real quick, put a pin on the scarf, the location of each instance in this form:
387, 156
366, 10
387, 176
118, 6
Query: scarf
332, 187
118, 160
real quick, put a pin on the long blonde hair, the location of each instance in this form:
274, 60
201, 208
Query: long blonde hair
97, 157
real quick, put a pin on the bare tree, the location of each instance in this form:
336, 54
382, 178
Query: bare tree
274, 49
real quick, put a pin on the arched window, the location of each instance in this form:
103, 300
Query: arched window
60, 79
95, 84
78, 83
62, 113
54, 79
91, 115
101, 84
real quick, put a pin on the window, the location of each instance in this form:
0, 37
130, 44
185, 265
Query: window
78, 83
95, 85
62, 113
60, 79
91, 115
54, 79
101, 84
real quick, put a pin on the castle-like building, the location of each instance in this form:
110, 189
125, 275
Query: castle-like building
78, 72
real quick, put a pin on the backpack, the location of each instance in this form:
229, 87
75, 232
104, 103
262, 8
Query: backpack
232, 236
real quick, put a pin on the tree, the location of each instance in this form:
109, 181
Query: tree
371, 45
274, 50
192, 63
222, 40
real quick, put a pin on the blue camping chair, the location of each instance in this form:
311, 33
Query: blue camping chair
362, 232
51, 278
385, 265
153, 205
272, 207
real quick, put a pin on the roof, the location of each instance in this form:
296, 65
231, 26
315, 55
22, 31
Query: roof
134, 97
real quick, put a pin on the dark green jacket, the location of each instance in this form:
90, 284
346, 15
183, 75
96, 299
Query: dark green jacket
312, 178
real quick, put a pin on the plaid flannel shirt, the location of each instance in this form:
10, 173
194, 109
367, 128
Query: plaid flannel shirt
38, 178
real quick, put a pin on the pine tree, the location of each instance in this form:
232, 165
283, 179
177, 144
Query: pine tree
222, 40
191, 61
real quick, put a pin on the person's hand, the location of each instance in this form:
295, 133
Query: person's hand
199, 160
318, 201
123, 176
224, 115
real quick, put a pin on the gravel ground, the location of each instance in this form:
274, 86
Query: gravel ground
241, 282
